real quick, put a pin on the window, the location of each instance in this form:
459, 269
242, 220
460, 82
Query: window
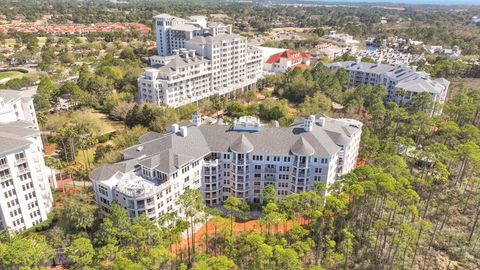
103, 190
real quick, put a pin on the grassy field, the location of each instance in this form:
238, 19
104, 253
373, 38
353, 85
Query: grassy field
12, 42
89, 155
11, 74
107, 124
465, 83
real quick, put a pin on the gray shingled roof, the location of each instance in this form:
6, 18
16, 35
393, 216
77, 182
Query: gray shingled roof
13, 136
408, 78
8, 94
8, 144
168, 152
105, 172
302, 147
14, 130
176, 62
242, 145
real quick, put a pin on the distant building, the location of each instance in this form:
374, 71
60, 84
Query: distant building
389, 56
343, 39
395, 77
285, 60
196, 61
329, 50
451, 54
474, 21
222, 161
25, 196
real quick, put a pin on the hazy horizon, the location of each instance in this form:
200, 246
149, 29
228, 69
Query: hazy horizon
422, 2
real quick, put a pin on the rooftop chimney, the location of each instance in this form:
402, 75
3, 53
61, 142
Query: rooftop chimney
183, 131
308, 123
321, 121
192, 53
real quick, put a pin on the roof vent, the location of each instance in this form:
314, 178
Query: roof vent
174, 128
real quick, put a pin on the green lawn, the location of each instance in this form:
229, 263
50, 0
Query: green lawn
12, 42
11, 74
90, 155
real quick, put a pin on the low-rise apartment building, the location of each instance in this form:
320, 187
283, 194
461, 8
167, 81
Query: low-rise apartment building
237, 160
286, 60
402, 82
25, 196
199, 62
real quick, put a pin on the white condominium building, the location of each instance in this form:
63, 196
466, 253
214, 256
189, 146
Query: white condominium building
220, 160
17, 105
25, 196
196, 61
395, 77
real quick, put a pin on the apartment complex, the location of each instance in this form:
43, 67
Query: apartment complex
237, 160
25, 196
342, 39
195, 61
395, 77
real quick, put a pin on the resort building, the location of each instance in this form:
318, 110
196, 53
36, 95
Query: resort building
286, 60
25, 196
342, 39
196, 61
227, 160
402, 82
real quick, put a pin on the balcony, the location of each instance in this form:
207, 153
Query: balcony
20, 161
5, 177
23, 170
3, 166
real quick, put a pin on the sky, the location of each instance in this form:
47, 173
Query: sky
433, 2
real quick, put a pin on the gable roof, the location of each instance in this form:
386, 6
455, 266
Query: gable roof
290, 54
170, 151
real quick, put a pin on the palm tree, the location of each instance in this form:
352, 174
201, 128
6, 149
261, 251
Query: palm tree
70, 169
84, 145
82, 173
58, 165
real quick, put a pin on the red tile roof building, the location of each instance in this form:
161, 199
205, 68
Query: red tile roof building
69, 29
288, 59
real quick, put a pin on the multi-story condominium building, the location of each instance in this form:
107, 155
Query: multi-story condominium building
17, 106
196, 61
396, 77
25, 196
220, 160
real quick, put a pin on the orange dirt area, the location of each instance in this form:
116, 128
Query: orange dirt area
49, 148
69, 190
248, 226
58, 267
361, 161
